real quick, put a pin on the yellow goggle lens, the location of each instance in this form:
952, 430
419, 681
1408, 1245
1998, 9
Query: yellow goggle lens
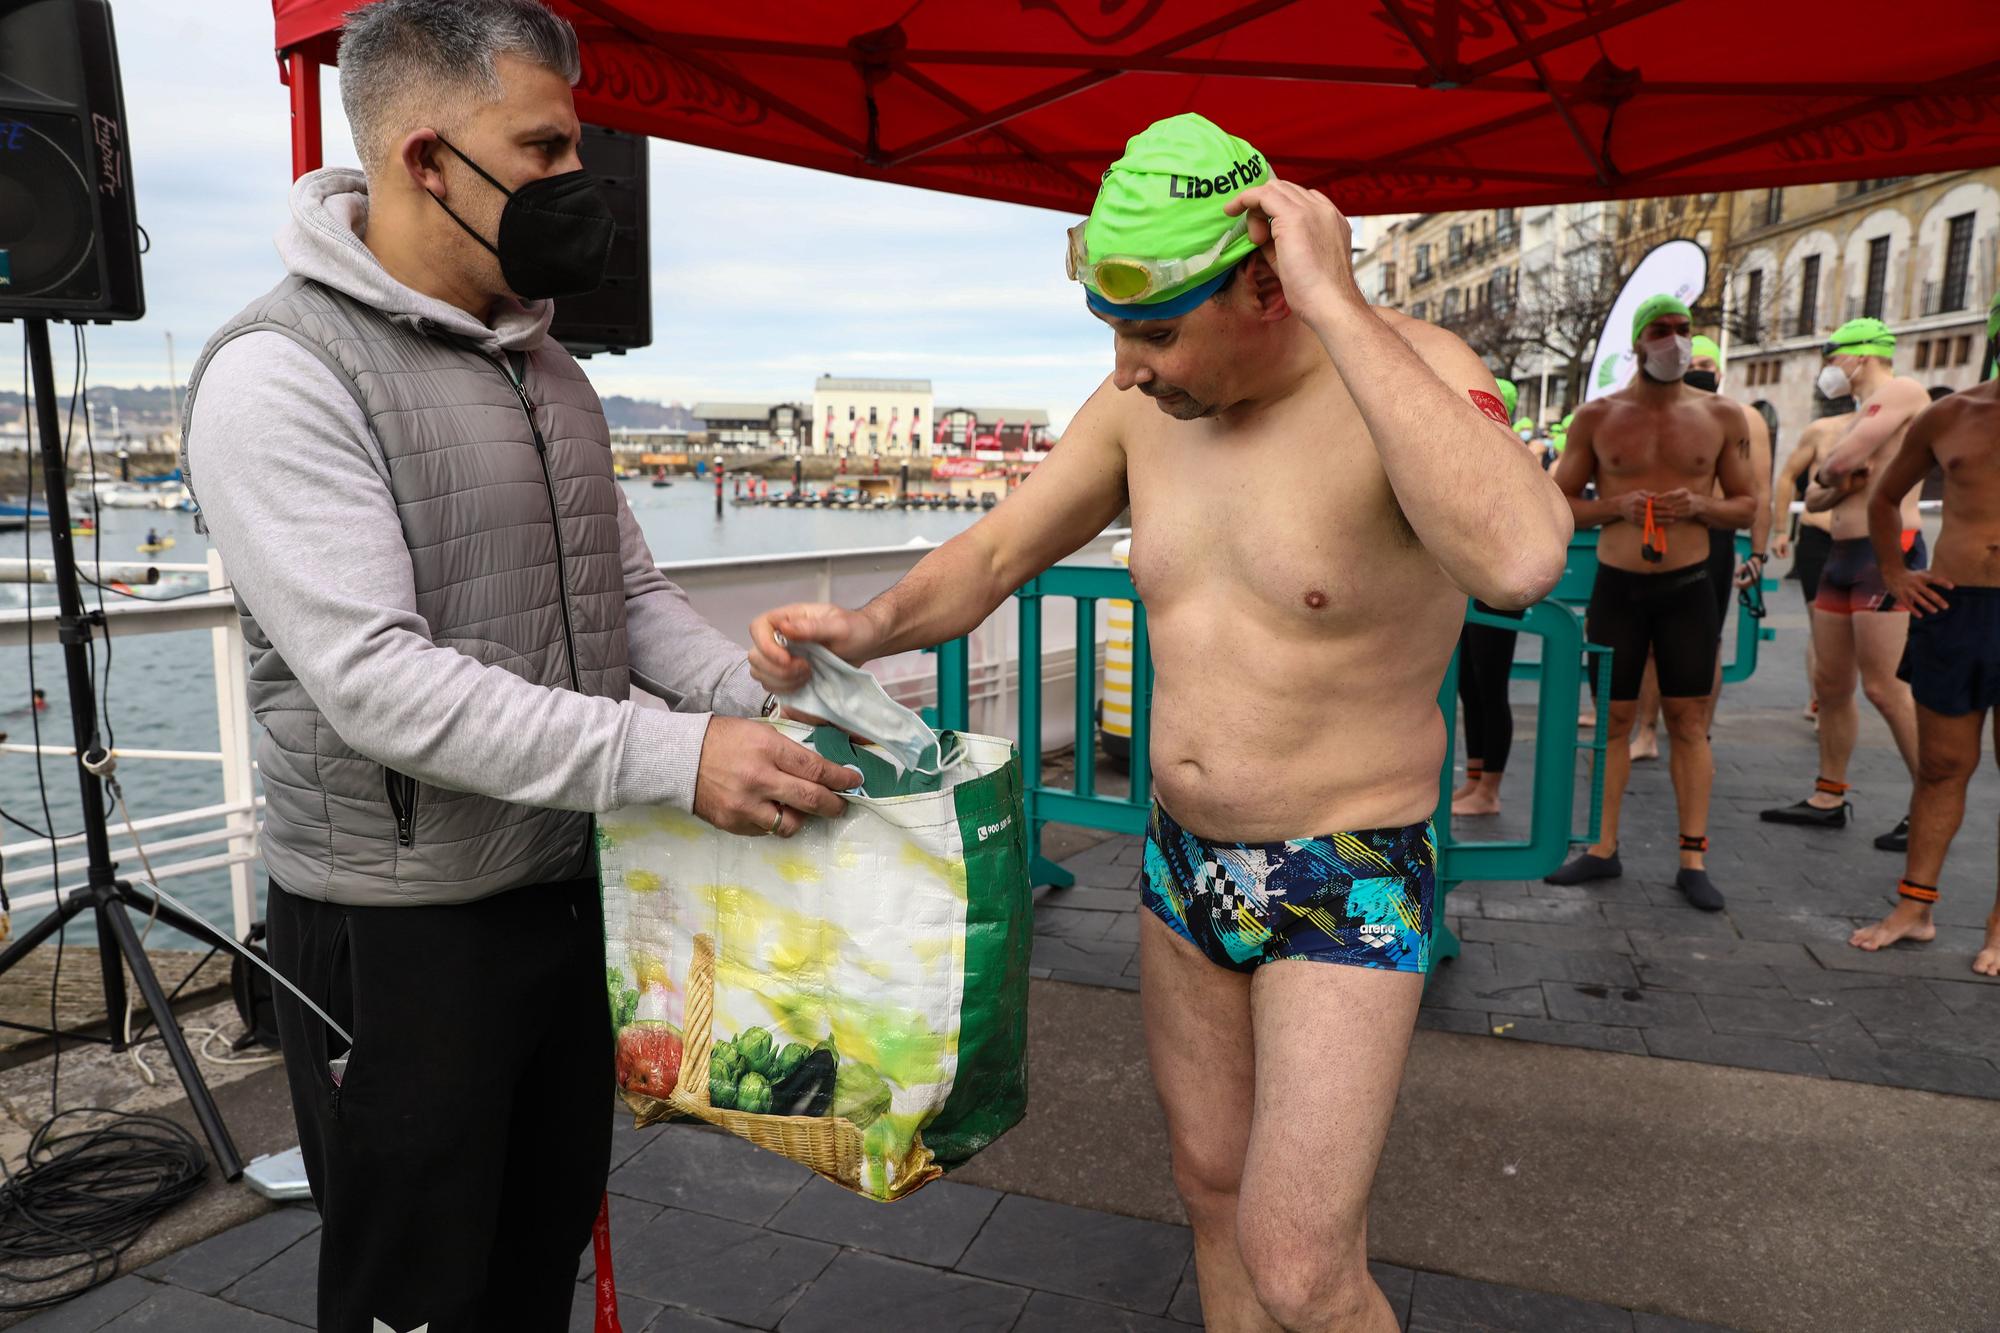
1121, 280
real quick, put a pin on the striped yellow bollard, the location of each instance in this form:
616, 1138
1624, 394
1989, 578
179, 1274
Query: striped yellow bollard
1114, 720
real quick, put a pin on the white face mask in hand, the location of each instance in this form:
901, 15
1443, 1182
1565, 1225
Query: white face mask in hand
853, 700
1667, 361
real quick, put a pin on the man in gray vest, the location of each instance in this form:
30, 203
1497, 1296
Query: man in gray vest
447, 601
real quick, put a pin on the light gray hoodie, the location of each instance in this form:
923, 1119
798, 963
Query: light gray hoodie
293, 486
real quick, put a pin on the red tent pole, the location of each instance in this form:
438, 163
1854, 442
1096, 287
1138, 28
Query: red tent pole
302, 73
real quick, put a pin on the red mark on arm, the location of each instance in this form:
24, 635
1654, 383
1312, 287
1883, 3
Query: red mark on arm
1488, 404
1873, 408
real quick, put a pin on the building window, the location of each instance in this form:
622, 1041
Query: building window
1389, 282
1774, 207
1753, 305
1424, 262
1421, 310
1450, 304
850, 411
1878, 278
1808, 296
1505, 224
1957, 262
1961, 350
1455, 243
1923, 356
873, 440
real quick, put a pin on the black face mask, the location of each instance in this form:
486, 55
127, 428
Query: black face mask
1705, 380
555, 233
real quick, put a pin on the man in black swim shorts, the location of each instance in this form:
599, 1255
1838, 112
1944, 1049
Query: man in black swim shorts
1952, 661
1657, 450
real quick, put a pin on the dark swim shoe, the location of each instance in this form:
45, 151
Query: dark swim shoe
1896, 839
1808, 815
1586, 868
1700, 890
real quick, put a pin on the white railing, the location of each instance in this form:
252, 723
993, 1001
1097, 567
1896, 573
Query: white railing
238, 809
728, 593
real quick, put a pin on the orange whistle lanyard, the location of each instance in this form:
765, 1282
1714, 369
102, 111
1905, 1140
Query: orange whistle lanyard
1653, 536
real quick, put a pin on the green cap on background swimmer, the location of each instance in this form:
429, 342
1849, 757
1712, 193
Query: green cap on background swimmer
1652, 308
1159, 207
1704, 346
1861, 337
1510, 395
1993, 317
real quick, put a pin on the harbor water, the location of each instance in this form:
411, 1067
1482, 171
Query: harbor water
157, 690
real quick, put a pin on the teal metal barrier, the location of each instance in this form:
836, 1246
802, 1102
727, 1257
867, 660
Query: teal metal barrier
1559, 627
1560, 677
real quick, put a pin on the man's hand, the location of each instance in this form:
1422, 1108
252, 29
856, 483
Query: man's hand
1751, 570
1309, 245
754, 781
847, 634
1675, 506
1916, 589
1781, 546
1632, 505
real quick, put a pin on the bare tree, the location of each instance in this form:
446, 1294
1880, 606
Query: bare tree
1563, 306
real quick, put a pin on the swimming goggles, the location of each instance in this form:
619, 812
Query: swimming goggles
1127, 278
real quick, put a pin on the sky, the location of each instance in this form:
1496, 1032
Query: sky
764, 276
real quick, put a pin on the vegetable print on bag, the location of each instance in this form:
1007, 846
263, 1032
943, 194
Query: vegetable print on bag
853, 997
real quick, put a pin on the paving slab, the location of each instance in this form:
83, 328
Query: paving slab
861, 1291
933, 1226
1119, 1261
708, 1171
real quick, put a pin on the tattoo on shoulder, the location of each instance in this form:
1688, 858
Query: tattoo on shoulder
1743, 446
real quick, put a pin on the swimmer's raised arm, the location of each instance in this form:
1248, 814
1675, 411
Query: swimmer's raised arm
1069, 498
1472, 495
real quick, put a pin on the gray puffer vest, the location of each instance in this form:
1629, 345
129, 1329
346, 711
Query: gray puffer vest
501, 474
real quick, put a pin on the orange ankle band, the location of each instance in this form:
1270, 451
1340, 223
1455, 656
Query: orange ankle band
1693, 844
1830, 787
1923, 893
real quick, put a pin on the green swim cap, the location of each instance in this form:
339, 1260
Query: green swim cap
1163, 200
1523, 424
1651, 309
1566, 420
1993, 317
1705, 346
1861, 337
1509, 395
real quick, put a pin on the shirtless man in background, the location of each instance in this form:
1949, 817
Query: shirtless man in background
1952, 663
1658, 449
1815, 537
1858, 629
1724, 573
1316, 487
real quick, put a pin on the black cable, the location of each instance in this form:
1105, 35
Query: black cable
142, 597
96, 545
84, 1197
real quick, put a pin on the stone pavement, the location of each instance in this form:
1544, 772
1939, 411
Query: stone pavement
1770, 983
712, 1234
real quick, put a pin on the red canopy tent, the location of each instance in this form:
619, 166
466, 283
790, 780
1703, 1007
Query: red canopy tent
1386, 104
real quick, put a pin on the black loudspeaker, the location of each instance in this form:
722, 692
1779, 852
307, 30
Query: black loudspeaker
69, 241
618, 315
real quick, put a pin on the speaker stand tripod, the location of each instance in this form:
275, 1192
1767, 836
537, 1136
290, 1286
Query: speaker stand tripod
107, 897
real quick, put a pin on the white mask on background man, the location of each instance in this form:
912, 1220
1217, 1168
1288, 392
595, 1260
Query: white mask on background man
1833, 381
1667, 361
